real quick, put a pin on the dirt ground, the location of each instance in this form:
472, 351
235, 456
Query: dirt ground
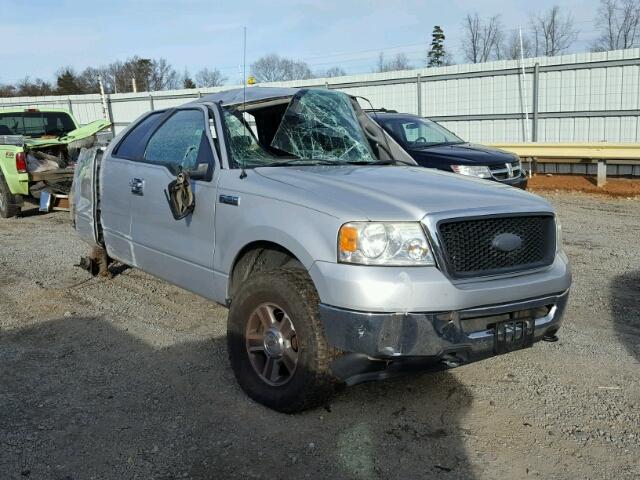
129, 378
615, 187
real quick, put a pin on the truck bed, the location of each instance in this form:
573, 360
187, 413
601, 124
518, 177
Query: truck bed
52, 175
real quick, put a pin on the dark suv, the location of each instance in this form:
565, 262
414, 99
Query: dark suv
433, 146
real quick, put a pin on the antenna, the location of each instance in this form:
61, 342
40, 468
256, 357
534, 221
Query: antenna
243, 173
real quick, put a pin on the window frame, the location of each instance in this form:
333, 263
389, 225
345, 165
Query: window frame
165, 115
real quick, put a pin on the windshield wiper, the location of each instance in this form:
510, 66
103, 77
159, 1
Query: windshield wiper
300, 162
377, 162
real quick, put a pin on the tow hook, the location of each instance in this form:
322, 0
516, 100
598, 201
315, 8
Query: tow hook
451, 361
550, 337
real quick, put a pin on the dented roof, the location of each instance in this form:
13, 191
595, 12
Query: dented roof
253, 94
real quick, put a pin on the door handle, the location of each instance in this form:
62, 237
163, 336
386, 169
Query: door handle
137, 186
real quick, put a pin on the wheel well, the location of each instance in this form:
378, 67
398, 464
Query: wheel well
260, 256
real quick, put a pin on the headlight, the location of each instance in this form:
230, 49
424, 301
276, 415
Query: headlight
374, 243
472, 170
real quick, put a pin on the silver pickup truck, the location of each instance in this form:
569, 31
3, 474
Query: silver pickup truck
340, 259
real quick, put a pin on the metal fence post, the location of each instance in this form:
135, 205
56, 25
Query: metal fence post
110, 114
151, 107
536, 89
602, 173
419, 93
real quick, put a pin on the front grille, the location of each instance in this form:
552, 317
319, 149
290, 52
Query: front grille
506, 171
475, 247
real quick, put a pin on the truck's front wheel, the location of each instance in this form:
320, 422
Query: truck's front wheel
8, 205
276, 342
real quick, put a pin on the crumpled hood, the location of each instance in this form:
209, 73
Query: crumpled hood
393, 193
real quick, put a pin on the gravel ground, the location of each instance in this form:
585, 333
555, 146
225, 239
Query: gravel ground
129, 378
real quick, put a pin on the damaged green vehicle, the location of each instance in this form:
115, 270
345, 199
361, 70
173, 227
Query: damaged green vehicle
38, 151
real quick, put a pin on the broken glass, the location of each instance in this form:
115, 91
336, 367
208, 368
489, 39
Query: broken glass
322, 125
245, 149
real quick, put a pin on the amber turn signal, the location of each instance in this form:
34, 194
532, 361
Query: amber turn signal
348, 239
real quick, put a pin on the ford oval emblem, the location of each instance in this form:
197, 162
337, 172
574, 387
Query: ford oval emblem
506, 242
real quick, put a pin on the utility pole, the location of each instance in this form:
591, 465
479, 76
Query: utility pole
103, 97
527, 138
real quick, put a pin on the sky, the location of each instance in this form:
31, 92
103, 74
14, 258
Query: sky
40, 36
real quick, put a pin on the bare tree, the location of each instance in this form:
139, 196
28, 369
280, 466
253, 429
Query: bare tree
482, 38
7, 90
210, 78
618, 24
399, 62
553, 33
274, 68
334, 72
163, 76
88, 79
28, 88
510, 49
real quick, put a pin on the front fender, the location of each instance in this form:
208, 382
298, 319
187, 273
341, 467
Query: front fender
309, 235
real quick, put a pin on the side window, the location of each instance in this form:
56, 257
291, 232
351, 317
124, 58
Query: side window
131, 147
181, 141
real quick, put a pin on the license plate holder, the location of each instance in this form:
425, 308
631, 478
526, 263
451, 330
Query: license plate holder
514, 334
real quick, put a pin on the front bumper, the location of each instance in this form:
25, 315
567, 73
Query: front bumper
518, 182
455, 337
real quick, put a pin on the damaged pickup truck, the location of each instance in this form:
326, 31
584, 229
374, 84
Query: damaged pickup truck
339, 259
38, 150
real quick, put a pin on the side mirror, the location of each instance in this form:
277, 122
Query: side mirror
180, 196
198, 173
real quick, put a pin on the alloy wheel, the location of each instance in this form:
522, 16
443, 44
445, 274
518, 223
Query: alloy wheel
272, 344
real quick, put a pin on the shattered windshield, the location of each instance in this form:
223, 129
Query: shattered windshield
316, 127
322, 125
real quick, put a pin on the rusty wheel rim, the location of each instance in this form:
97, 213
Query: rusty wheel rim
272, 344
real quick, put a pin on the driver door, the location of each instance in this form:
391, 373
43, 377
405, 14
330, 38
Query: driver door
179, 251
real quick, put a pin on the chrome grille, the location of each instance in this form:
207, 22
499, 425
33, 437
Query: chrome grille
472, 246
506, 171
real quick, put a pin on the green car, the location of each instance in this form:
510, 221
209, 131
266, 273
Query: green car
38, 150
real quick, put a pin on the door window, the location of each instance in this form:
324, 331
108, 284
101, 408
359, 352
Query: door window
181, 143
132, 147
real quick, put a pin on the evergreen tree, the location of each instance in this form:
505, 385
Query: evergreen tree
68, 83
436, 55
187, 82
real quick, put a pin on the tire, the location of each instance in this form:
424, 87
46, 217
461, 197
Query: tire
291, 294
8, 203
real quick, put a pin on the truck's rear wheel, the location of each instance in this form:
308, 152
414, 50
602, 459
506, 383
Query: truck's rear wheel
276, 342
8, 204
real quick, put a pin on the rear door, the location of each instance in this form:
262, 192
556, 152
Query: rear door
180, 251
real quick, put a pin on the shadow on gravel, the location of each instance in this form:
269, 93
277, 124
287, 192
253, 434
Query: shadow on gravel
83, 399
625, 306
